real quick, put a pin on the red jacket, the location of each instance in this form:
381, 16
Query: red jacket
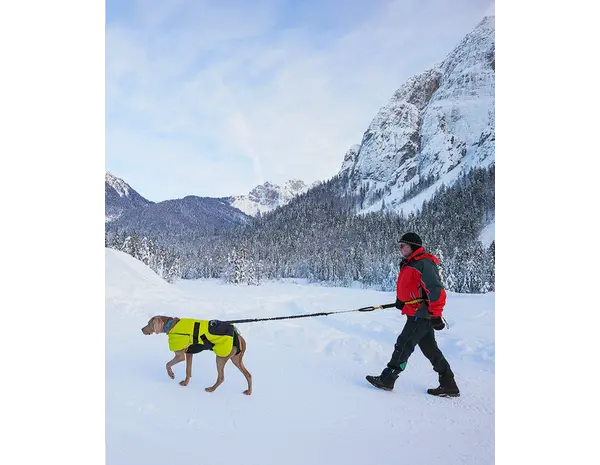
419, 279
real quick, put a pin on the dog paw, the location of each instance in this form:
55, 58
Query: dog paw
209, 389
183, 383
247, 392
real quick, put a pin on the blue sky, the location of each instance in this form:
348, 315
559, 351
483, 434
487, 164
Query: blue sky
211, 98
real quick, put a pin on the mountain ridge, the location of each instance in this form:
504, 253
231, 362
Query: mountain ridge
437, 125
120, 197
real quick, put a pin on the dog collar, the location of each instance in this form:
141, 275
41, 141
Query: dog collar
168, 324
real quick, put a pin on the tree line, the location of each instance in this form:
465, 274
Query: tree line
319, 237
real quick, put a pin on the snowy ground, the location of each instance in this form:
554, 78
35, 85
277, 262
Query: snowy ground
310, 401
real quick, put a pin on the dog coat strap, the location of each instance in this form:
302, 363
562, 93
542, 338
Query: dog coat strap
196, 332
209, 345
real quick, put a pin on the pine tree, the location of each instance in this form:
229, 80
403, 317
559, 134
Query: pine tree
318, 236
491, 266
478, 269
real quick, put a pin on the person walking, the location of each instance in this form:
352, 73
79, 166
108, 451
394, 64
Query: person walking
421, 297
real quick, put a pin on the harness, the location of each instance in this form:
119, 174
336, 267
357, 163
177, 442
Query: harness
209, 345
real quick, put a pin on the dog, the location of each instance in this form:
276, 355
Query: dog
188, 337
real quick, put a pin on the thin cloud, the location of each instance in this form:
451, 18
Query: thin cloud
238, 85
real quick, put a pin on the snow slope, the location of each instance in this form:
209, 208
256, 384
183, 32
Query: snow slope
310, 401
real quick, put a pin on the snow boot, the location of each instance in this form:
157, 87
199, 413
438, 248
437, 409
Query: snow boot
386, 380
447, 388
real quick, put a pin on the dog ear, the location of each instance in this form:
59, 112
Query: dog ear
157, 325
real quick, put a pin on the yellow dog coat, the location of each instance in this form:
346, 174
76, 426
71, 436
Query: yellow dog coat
198, 335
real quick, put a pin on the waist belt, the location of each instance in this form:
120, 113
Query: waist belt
416, 301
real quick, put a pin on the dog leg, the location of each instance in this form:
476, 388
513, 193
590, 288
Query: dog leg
237, 361
221, 361
179, 357
188, 369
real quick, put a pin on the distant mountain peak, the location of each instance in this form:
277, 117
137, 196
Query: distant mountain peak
268, 196
117, 184
119, 197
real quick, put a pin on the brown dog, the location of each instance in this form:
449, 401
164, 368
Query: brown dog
187, 337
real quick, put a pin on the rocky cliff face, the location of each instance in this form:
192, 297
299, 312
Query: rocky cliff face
438, 124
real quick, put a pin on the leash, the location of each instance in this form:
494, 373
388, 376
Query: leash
363, 309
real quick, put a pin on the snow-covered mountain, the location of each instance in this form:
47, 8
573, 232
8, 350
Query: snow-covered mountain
120, 197
170, 220
192, 215
439, 124
180, 220
267, 197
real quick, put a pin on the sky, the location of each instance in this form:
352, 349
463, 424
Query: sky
310, 401
213, 98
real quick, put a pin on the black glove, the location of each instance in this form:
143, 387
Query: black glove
437, 323
399, 304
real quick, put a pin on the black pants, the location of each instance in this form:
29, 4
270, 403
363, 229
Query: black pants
419, 332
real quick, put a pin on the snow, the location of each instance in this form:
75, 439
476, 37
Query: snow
267, 197
120, 186
488, 234
310, 401
449, 110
